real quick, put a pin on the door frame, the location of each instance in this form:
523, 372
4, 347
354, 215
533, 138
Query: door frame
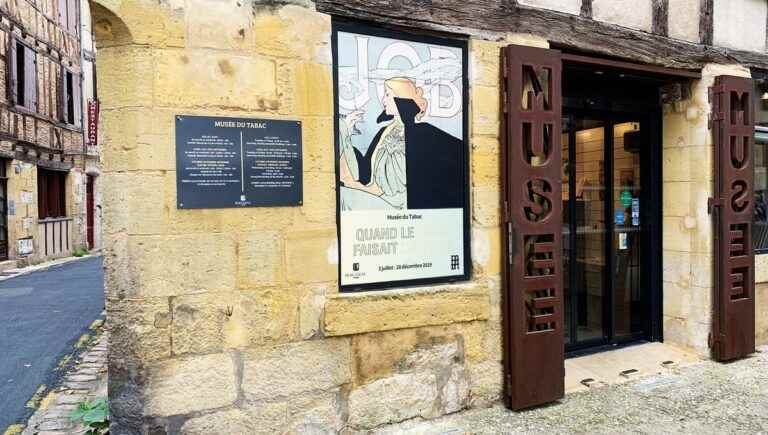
90, 211
651, 200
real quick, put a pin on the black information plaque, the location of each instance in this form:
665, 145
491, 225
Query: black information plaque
237, 162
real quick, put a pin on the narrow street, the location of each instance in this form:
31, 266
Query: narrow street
42, 315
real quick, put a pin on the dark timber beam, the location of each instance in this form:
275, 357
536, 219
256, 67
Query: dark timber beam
586, 8
491, 18
706, 22
660, 24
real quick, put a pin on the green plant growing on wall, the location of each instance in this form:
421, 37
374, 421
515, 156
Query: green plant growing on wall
80, 251
94, 415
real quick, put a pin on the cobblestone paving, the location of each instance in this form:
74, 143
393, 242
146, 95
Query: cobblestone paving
706, 398
87, 381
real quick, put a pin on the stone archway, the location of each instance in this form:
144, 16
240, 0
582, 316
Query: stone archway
125, 33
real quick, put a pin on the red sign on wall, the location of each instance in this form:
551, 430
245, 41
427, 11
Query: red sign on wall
93, 122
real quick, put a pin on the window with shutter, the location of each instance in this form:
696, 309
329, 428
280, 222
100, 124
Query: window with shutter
69, 100
51, 187
23, 74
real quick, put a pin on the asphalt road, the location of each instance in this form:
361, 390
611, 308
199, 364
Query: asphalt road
42, 315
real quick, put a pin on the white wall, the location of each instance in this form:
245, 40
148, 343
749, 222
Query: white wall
740, 24
684, 19
635, 14
569, 6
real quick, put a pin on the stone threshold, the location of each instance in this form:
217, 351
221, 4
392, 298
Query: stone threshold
624, 364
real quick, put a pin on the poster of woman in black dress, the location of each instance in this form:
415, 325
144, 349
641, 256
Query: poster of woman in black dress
402, 182
402, 166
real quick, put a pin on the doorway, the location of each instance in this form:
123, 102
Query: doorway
606, 228
90, 211
611, 213
3, 211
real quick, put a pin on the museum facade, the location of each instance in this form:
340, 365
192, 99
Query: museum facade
345, 214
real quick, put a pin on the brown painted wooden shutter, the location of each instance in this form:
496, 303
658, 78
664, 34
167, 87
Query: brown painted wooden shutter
13, 72
533, 308
733, 329
63, 95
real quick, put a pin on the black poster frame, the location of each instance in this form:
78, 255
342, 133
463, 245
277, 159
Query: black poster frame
339, 24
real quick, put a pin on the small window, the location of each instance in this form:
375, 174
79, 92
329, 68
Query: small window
23, 73
51, 188
71, 87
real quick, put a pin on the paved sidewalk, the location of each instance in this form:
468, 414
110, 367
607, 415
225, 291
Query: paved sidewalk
87, 381
705, 398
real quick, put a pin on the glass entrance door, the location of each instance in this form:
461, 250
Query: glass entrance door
605, 248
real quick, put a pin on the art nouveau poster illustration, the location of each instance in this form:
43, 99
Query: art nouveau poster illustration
401, 157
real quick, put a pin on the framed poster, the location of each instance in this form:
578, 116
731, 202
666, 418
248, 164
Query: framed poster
401, 157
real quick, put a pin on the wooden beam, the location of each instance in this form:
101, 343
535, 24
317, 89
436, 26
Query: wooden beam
660, 24
706, 22
586, 8
492, 19
653, 69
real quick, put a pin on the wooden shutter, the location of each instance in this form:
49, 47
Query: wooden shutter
63, 20
733, 329
30, 79
13, 72
72, 14
77, 95
533, 308
63, 95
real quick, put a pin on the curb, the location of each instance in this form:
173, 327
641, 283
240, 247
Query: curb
46, 266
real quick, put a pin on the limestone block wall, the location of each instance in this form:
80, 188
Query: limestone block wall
761, 298
23, 222
22, 189
687, 177
230, 321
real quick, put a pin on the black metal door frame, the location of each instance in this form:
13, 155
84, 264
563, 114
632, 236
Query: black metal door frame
650, 201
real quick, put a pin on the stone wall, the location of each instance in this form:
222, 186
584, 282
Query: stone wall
687, 178
231, 320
